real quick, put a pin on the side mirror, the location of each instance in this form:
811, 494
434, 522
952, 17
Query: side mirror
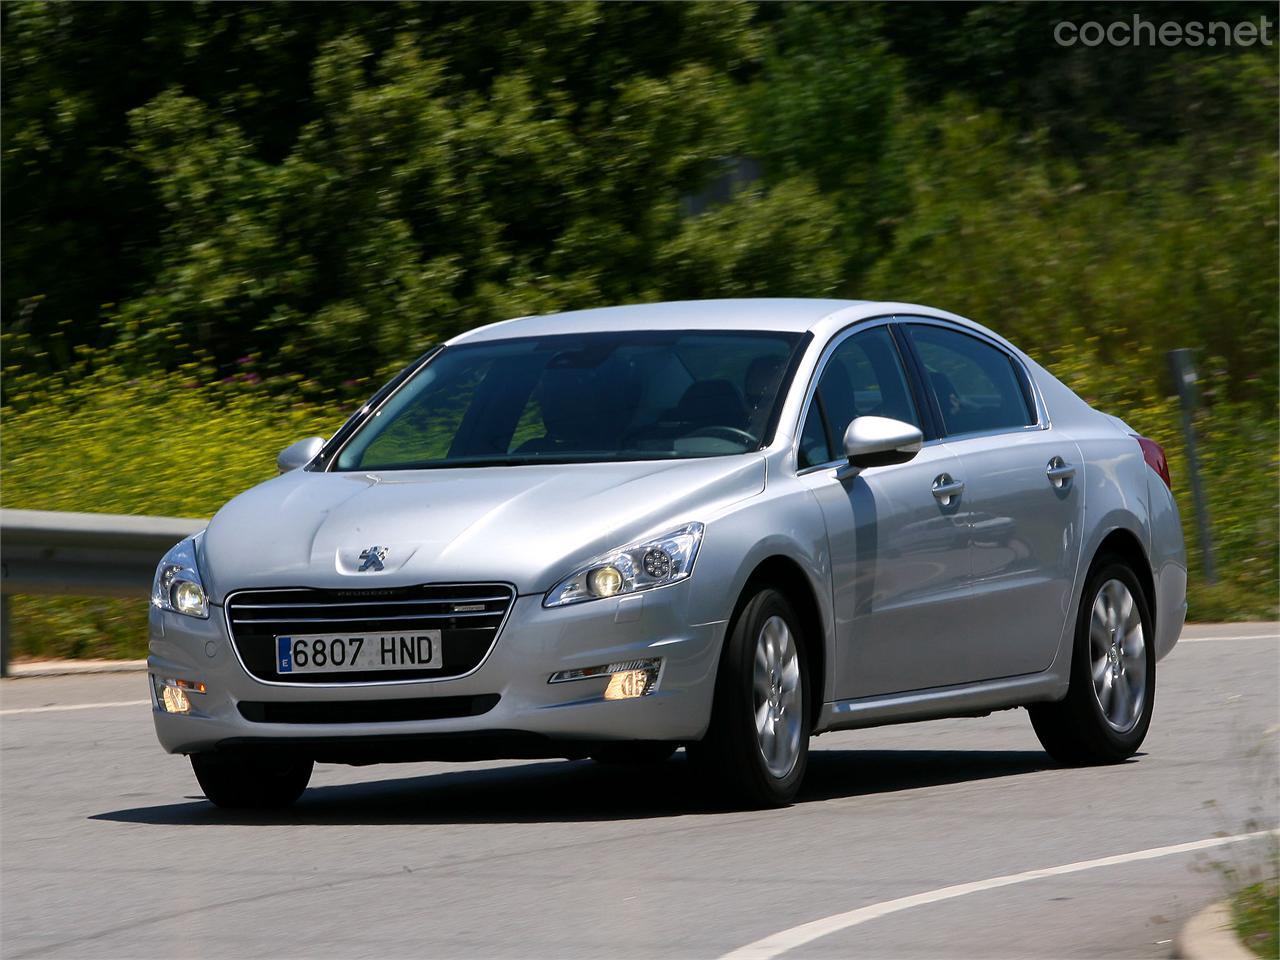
880, 441
299, 454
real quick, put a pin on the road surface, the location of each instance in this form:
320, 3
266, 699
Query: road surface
107, 848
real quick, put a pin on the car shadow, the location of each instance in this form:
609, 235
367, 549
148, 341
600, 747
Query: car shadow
584, 791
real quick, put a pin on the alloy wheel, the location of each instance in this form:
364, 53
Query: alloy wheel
1118, 656
777, 697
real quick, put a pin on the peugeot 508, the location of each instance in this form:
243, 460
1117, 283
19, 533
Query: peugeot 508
726, 526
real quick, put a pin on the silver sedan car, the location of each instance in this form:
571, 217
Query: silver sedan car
724, 525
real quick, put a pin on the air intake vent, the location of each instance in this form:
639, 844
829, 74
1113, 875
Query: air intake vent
366, 711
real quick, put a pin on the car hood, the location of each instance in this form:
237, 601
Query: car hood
527, 525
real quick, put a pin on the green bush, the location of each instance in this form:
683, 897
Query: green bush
1098, 277
169, 445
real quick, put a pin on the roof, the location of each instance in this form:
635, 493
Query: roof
823, 318
754, 314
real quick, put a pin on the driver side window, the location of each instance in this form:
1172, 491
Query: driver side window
863, 378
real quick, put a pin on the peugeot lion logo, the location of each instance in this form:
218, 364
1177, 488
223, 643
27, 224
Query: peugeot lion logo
372, 558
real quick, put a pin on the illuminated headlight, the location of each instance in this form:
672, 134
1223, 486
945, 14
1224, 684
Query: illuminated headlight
628, 679
630, 569
177, 585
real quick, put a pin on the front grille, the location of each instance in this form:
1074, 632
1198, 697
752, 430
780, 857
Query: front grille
366, 711
468, 617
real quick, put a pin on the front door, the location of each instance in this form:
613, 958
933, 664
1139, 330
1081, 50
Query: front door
899, 547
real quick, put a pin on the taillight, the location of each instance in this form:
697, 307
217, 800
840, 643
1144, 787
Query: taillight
1153, 453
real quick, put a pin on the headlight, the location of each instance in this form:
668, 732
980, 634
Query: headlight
630, 569
177, 586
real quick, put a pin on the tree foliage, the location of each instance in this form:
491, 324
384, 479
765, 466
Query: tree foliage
330, 187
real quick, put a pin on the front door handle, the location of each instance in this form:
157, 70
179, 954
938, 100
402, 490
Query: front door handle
947, 489
1059, 472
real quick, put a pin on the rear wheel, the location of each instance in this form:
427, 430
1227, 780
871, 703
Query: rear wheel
1107, 710
757, 746
249, 781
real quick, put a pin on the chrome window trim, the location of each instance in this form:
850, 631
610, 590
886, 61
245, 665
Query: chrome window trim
298, 685
369, 413
1041, 410
979, 434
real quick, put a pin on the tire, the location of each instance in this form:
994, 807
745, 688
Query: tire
738, 763
636, 753
251, 782
1092, 725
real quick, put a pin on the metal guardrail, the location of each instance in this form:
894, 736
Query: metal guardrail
85, 554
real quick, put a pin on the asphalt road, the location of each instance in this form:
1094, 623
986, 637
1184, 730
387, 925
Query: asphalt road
108, 850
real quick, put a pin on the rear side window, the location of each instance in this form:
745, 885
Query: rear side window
976, 385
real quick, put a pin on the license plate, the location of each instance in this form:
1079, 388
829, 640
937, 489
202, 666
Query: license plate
348, 653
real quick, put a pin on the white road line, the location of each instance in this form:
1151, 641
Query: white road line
1251, 636
75, 706
780, 943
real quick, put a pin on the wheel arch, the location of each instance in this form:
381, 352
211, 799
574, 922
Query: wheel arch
786, 575
1124, 544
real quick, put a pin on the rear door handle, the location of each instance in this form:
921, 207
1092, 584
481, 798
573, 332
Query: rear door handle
1059, 472
946, 488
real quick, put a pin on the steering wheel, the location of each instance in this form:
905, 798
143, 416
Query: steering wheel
732, 434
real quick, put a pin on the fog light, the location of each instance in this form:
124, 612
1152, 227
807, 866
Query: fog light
175, 700
629, 684
627, 679
172, 693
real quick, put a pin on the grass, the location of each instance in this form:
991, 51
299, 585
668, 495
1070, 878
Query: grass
1228, 603
89, 628
1256, 910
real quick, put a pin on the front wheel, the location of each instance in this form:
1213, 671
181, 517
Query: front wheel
248, 781
1109, 702
757, 746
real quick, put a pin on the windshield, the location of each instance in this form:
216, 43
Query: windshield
580, 398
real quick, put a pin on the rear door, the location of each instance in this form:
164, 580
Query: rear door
1023, 498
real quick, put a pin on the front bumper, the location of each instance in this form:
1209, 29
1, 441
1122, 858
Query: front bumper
530, 718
